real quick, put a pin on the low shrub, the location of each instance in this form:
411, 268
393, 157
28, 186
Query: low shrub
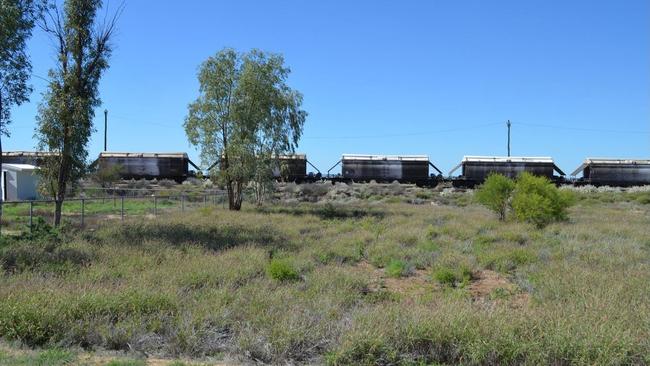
283, 270
495, 194
533, 199
397, 268
538, 201
453, 277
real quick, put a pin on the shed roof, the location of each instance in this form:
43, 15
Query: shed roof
19, 167
109, 154
386, 157
29, 153
293, 156
609, 161
509, 159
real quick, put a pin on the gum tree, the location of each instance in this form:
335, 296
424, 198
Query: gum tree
245, 117
65, 120
16, 23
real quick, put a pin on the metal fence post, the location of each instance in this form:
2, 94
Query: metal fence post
31, 215
155, 205
122, 208
182, 202
205, 201
83, 209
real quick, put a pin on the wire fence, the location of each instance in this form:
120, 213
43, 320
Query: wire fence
21, 216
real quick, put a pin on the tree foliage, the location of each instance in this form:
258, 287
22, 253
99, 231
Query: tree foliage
245, 117
65, 120
538, 201
17, 18
531, 198
495, 192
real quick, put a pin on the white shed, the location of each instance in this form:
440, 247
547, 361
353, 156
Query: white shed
19, 182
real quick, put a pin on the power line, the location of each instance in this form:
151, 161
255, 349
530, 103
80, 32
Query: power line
581, 128
401, 134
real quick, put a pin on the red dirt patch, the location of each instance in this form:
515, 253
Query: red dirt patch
491, 286
412, 286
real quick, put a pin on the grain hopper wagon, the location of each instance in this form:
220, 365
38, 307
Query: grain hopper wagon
386, 168
474, 169
614, 172
146, 165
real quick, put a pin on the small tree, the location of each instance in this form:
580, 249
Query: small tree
65, 120
538, 201
244, 118
495, 193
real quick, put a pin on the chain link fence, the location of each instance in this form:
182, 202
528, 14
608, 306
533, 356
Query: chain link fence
84, 212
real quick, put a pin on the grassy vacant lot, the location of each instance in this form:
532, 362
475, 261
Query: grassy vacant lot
16, 215
357, 283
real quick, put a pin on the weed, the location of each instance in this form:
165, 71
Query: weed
396, 269
283, 270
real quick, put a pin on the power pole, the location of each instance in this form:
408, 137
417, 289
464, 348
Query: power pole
105, 126
508, 124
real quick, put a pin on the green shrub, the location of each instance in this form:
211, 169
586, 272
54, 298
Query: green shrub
453, 277
495, 194
396, 269
538, 201
445, 276
283, 270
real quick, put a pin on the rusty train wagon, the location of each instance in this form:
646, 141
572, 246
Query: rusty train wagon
293, 168
146, 165
476, 168
386, 168
614, 172
26, 157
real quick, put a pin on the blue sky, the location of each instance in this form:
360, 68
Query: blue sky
390, 77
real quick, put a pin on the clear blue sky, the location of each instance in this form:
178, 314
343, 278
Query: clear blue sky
391, 77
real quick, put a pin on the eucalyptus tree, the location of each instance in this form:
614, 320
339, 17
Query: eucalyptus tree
65, 120
245, 117
17, 18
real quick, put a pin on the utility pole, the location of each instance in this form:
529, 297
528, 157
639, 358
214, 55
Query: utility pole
508, 124
105, 126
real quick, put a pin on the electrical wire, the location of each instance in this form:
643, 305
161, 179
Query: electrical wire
580, 128
402, 134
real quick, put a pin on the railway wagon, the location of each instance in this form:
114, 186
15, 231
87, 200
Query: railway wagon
146, 165
614, 172
475, 169
386, 168
26, 157
292, 168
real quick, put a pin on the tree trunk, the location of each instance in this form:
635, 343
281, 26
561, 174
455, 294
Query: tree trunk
60, 189
235, 202
58, 204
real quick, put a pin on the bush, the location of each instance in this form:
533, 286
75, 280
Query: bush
283, 270
453, 277
495, 194
396, 269
538, 201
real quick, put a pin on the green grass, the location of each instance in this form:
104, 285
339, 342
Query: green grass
309, 283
